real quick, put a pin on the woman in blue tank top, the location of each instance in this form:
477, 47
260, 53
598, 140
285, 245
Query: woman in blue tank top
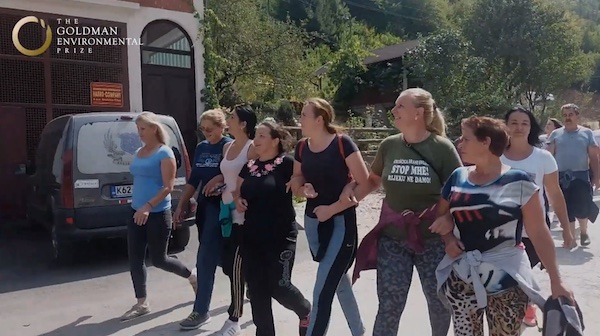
153, 169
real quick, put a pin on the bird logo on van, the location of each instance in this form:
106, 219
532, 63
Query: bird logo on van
130, 142
128, 145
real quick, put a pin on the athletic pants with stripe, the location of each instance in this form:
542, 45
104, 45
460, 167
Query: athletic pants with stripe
268, 270
232, 267
332, 277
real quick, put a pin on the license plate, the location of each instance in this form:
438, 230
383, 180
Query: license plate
121, 191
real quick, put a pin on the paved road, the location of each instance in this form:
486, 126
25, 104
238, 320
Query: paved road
37, 298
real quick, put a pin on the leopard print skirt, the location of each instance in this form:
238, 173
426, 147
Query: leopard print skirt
504, 312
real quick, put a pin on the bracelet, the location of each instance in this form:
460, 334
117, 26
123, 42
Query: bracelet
150, 204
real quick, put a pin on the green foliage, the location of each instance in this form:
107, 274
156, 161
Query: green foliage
476, 56
347, 69
535, 45
406, 18
252, 53
460, 82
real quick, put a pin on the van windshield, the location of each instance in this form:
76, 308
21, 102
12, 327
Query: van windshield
109, 147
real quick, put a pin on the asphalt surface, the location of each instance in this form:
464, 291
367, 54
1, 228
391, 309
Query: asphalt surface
86, 298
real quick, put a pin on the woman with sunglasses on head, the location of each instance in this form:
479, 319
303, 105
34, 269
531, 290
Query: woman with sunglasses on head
523, 153
269, 233
206, 173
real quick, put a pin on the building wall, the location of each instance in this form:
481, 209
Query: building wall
136, 14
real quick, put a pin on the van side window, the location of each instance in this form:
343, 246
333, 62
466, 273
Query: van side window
49, 142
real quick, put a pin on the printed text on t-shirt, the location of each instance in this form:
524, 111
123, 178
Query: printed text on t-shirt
412, 171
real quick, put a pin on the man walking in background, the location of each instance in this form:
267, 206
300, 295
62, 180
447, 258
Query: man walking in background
576, 150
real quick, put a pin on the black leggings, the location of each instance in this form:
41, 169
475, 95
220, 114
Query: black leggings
232, 267
153, 236
268, 269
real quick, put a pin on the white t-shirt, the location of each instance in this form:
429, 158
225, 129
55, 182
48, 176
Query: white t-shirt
536, 165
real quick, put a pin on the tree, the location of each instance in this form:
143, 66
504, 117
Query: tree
324, 19
406, 18
536, 46
252, 53
461, 84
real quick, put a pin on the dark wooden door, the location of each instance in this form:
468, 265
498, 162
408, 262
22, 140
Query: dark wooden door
170, 91
13, 162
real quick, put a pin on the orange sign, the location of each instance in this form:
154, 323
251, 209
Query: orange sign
106, 94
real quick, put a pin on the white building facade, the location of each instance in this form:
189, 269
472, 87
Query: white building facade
160, 68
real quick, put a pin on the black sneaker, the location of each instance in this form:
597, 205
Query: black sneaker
194, 321
585, 240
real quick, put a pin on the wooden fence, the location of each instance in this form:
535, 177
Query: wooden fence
366, 138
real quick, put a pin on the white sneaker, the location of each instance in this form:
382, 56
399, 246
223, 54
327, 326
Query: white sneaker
230, 328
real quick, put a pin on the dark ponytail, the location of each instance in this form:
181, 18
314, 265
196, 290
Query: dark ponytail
246, 114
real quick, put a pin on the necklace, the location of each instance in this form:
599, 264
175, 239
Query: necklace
257, 171
409, 144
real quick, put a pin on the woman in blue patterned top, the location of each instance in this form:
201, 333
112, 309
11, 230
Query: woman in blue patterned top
486, 268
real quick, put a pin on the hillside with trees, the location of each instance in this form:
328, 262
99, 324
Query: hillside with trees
475, 56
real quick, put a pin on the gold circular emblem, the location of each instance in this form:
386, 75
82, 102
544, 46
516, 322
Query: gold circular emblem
19, 46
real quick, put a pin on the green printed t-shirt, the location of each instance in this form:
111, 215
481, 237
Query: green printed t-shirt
409, 182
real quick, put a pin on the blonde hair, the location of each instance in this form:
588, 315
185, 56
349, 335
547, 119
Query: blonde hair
322, 108
216, 116
434, 119
151, 119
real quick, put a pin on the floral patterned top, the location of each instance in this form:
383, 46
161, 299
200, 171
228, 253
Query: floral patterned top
265, 169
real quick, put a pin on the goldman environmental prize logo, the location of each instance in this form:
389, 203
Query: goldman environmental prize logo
19, 45
71, 37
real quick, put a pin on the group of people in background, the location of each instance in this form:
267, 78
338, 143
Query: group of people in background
473, 232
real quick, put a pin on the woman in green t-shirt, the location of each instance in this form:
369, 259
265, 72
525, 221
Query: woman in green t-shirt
412, 167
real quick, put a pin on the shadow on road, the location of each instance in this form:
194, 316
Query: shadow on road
108, 327
577, 256
169, 328
26, 259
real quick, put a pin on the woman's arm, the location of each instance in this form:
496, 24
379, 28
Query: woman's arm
358, 169
540, 236
168, 168
557, 200
296, 183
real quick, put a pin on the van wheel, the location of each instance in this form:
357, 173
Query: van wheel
61, 250
179, 239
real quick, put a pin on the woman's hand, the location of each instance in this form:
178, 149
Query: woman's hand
178, 215
454, 247
559, 289
324, 212
348, 193
443, 225
140, 217
309, 191
241, 205
568, 241
209, 188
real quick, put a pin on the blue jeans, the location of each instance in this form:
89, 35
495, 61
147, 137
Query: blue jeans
332, 277
209, 257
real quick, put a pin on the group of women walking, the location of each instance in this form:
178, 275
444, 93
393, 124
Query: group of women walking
473, 233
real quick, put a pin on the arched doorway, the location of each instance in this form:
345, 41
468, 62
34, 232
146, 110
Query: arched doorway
168, 76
